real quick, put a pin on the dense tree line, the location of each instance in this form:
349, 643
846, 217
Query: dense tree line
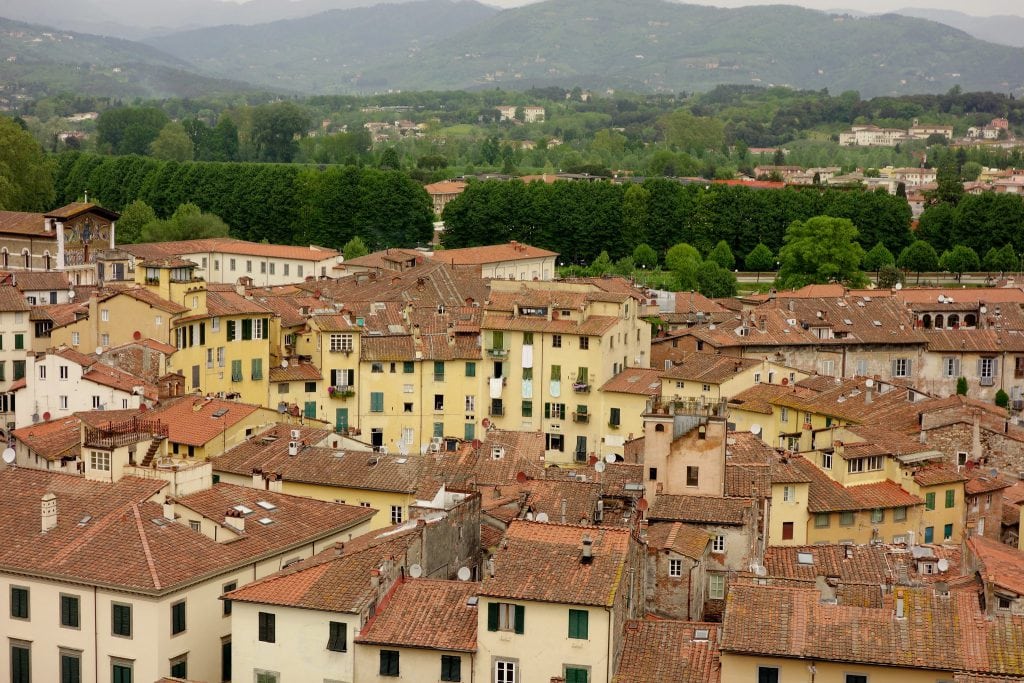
580, 220
280, 203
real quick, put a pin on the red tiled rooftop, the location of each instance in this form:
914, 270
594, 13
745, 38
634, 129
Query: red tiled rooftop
494, 253
659, 651
426, 613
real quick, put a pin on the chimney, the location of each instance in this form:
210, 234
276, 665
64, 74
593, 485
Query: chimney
49, 510
47, 225
374, 578
564, 504
792, 306
899, 605
588, 550
169, 508
868, 397
275, 482
339, 549
257, 478
234, 519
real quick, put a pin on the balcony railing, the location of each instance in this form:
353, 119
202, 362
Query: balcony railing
496, 411
341, 391
581, 417
497, 353
581, 387
125, 433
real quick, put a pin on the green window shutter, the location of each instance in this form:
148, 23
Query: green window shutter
19, 342
257, 368
202, 333
497, 340
231, 330
492, 616
575, 675
470, 431
236, 371
408, 367
470, 369
547, 410
266, 328
310, 409
556, 372
581, 375
950, 497
439, 368
246, 329
579, 621
439, 429
615, 417
377, 402
527, 408
929, 500
520, 618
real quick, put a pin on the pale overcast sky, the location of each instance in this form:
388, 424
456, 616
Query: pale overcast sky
976, 7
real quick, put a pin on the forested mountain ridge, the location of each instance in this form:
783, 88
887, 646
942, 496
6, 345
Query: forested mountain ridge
642, 45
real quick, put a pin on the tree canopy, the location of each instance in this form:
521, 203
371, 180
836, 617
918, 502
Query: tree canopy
188, 222
918, 257
26, 175
819, 250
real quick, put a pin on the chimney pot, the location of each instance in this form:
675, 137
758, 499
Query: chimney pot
49, 512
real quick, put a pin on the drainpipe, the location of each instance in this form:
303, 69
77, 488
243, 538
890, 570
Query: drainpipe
611, 649
689, 591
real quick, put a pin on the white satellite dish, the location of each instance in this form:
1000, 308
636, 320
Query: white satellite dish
9, 455
755, 429
415, 571
943, 564
899, 286
869, 383
542, 517
99, 350
600, 467
464, 574
284, 362
610, 458
71, 294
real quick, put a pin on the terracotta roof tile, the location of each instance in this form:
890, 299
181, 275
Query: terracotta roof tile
426, 613
867, 564
52, 440
686, 539
712, 368
536, 552
229, 245
701, 509
24, 223
11, 299
935, 474
641, 381
295, 372
190, 419
662, 650
38, 280
494, 253
999, 564
516, 452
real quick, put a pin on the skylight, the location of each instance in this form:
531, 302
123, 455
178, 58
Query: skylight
805, 558
244, 510
265, 521
266, 505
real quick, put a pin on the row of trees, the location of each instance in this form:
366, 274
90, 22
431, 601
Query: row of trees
580, 220
280, 203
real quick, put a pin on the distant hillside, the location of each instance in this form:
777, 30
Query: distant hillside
1003, 29
328, 52
641, 45
38, 60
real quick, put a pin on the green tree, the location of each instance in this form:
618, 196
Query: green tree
949, 188
759, 260
26, 174
129, 130
959, 260
918, 257
722, 255
133, 218
187, 223
645, 256
819, 250
1002, 399
275, 128
602, 265
961, 386
889, 276
715, 281
970, 171
687, 132
1003, 260
634, 216
355, 248
172, 144
683, 260
878, 256
389, 160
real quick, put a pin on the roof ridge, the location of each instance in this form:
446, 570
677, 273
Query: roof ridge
145, 547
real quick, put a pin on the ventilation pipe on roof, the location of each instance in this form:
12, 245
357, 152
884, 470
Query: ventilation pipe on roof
900, 609
169, 508
588, 550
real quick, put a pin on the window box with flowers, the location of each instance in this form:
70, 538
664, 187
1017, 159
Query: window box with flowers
341, 392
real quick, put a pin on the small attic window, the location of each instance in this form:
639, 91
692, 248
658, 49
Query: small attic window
701, 634
265, 521
804, 558
244, 510
266, 505
221, 412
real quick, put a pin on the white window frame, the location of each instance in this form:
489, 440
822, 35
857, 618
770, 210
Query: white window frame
716, 587
987, 368
902, 367
788, 494
718, 544
675, 568
99, 461
506, 671
826, 461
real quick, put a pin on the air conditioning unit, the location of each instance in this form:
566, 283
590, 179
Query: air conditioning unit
296, 435
293, 448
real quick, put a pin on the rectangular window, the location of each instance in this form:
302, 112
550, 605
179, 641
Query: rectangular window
470, 369
527, 408
856, 678
76, 338
877, 516
584, 343
19, 369
19, 342
19, 602
178, 617
901, 367
42, 372
376, 368
716, 586
121, 671
784, 414
257, 368
228, 587
69, 613
556, 341
575, 675
855, 465
847, 518
504, 616
692, 475
504, 672
70, 667
389, 663
767, 674
21, 662
179, 667
718, 544
396, 514
236, 371
929, 500
787, 531
579, 623
899, 514
121, 620
438, 401
950, 367
788, 494
821, 520
337, 636
438, 370
615, 419
950, 498
451, 668
947, 532
376, 401
267, 627
675, 568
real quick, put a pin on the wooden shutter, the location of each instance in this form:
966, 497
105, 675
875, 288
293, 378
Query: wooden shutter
492, 616
246, 328
231, 330
520, 618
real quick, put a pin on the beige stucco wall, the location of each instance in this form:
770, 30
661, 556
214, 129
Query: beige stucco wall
744, 668
414, 665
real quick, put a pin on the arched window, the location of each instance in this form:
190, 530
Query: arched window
27, 258
46, 260
953, 320
939, 320
970, 320
926, 321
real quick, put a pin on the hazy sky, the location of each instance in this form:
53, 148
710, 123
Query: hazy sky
976, 7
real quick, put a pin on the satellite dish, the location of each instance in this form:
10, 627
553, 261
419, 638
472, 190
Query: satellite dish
486, 422
755, 429
136, 335
943, 564
899, 286
542, 517
46, 417
759, 570
415, 571
521, 477
600, 467
99, 350
609, 458
9, 455
71, 294
642, 505
869, 383
284, 362
464, 574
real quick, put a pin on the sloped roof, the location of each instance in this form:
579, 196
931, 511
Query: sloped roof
229, 245
52, 440
700, 509
494, 253
191, 421
426, 613
663, 650
685, 539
